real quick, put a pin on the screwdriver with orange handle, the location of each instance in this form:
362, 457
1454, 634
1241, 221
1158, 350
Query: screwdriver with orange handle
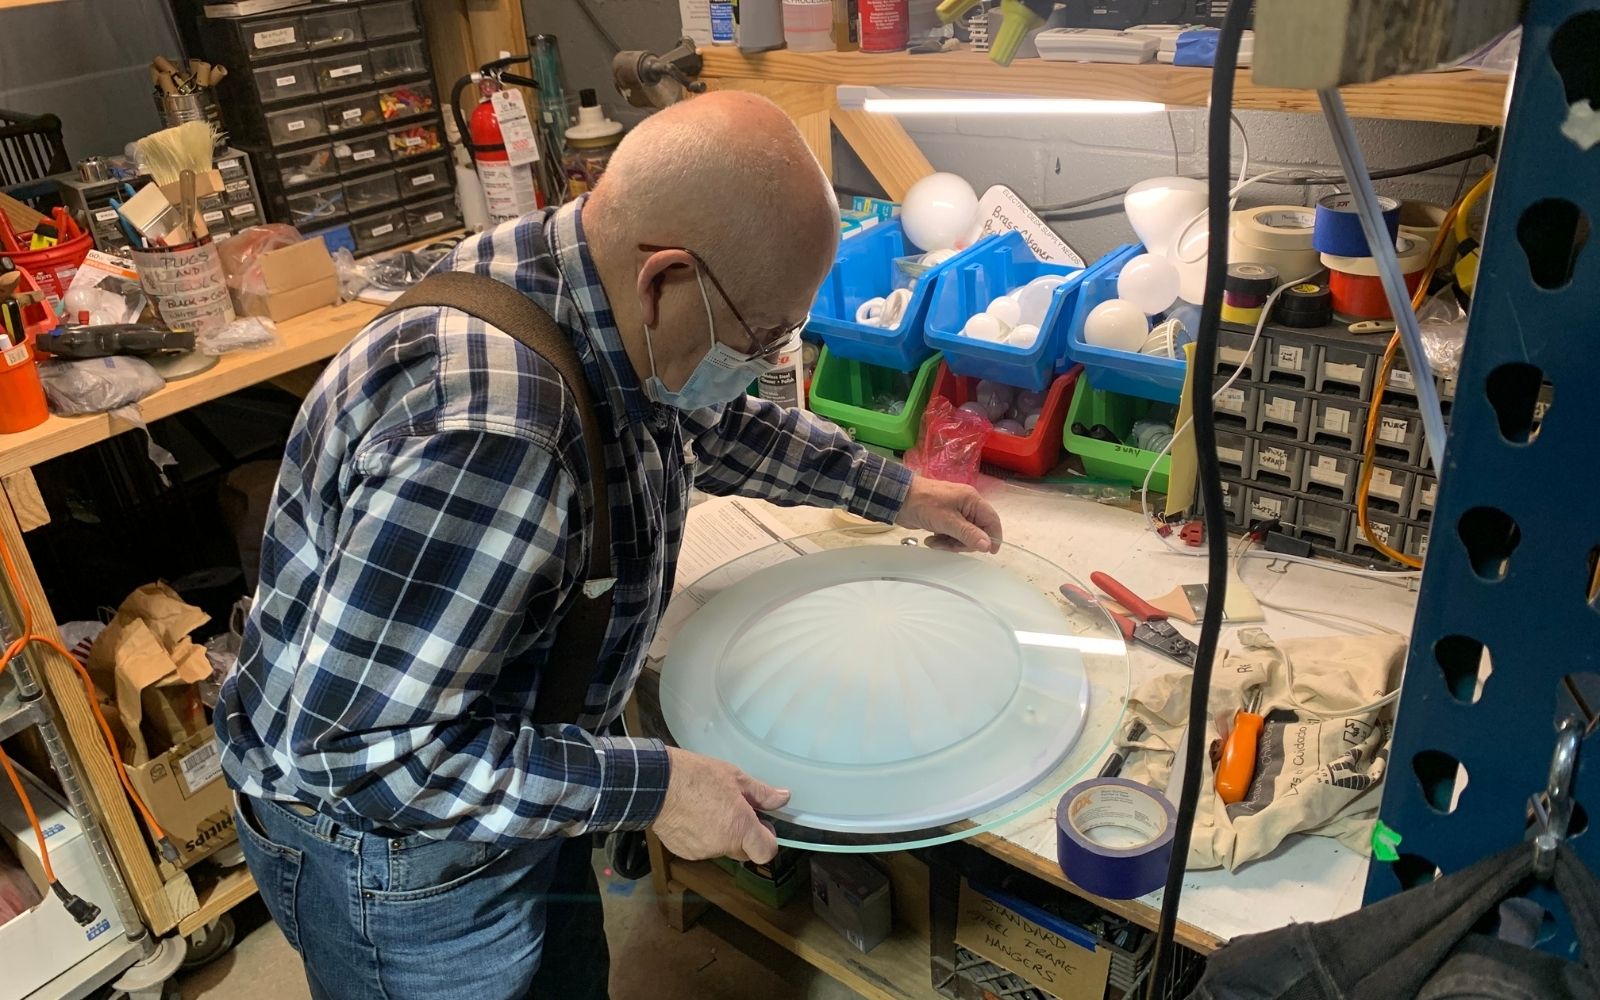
1238, 766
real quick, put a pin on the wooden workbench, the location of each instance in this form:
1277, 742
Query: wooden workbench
167, 899
1309, 878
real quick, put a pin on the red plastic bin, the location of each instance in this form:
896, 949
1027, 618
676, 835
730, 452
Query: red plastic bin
1034, 454
53, 267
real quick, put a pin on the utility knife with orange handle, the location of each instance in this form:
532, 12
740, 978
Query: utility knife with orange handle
1238, 766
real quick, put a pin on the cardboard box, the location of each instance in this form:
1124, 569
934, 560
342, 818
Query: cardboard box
852, 895
298, 279
45, 942
1055, 956
186, 793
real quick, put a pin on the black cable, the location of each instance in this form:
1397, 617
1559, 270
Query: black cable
1218, 160
1485, 148
600, 29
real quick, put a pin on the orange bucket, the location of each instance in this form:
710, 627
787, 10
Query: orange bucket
53, 267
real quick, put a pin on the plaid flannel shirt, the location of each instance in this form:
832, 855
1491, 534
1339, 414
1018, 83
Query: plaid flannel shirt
428, 531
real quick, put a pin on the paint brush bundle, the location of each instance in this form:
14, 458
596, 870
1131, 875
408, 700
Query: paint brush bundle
166, 154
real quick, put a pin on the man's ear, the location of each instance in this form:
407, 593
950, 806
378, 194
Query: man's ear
653, 276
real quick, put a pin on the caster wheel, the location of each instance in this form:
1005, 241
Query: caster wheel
208, 944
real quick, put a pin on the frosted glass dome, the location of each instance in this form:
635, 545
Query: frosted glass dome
890, 687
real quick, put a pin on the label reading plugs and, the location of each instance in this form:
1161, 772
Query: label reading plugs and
421, 179
274, 38
1266, 507
1337, 421
515, 129
1231, 399
1402, 378
1275, 459
1325, 469
286, 81
201, 766
364, 154
334, 74
1290, 357
1281, 408
1393, 429
296, 125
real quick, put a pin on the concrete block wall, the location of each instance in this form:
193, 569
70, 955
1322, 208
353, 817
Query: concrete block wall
1049, 159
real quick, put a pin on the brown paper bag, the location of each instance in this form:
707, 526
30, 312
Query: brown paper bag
144, 652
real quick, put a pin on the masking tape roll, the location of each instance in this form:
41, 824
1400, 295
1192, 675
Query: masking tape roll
1338, 227
1277, 236
1412, 251
1114, 837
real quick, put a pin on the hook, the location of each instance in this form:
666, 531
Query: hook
1555, 813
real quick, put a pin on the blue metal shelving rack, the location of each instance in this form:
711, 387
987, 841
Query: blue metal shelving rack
1512, 574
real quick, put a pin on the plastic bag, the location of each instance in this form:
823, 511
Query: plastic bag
222, 652
247, 333
950, 444
1444, 334
106, 385
241, 251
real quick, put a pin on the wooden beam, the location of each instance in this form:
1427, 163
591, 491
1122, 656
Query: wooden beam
1462, 96
26, 502
85, 742
465, 34
888, 152
817, 130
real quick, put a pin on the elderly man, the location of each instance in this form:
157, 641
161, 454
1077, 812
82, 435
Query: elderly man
414, 830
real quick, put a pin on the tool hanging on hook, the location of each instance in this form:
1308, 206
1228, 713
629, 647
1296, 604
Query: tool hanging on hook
1553, 809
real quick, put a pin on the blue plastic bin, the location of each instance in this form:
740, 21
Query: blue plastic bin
864, 269
984, 272
1118, 371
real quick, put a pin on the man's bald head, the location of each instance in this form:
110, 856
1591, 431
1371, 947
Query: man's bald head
728, 176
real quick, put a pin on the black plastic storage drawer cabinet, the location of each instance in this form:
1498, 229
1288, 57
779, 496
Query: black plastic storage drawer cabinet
333, 102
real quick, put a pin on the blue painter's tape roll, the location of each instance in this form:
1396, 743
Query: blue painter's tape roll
1338, 225
1114, 837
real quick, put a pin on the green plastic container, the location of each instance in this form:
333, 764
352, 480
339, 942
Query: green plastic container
1102, 459
843, 390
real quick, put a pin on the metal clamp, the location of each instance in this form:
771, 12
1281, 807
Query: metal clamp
1554, 812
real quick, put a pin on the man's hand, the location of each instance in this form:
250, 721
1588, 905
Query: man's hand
960, 519
710, 811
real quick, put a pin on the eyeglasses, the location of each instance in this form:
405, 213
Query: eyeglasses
765, 344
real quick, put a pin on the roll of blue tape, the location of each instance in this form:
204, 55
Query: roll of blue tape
1114, 837
1337, 229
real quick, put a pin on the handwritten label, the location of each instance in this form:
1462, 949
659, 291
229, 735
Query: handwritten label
1048, 960
1336, 420
342, 71
187, 287
1264, 506
296, 125
1231, 399
364, 154
350, 114
274, 38
286, 81
200, 767
1281, 408
1540, 408
1000, 210
516, 132
1344, 373
1325, 469
383, 230
1276, 459
433, 217
1393, 429
1379, 530
422, 179
1290, 357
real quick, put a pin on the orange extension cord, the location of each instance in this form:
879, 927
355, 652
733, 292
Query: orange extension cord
30, 636
1391, 354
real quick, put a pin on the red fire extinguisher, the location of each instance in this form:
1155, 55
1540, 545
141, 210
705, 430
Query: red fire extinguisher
511, 190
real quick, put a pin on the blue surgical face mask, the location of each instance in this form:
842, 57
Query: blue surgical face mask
722, 376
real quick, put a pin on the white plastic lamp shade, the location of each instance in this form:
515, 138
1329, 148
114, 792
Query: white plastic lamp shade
983, 327
1189, 257
1035, 302
1006, 311
1117, 324
1023, 335
1158, 207
1149, 282
939, 211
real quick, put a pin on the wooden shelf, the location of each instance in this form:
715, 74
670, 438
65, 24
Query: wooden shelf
897, 969
218, 897
1467, 97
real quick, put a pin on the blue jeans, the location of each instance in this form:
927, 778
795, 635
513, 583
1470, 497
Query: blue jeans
381, 918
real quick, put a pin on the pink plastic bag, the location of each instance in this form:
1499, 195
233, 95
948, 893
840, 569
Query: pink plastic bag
951, 443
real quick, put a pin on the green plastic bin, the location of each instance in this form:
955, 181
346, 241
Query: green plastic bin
843, 390
1102, 459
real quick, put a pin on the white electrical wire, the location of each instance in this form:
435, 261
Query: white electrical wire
1319, 613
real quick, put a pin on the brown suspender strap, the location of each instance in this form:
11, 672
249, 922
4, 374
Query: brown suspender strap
581, 634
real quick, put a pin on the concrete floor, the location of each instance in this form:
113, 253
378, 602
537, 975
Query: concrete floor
717, 959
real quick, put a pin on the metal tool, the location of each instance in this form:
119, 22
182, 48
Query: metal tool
1148, 626
1553, 810
1238, 766
1113, 764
